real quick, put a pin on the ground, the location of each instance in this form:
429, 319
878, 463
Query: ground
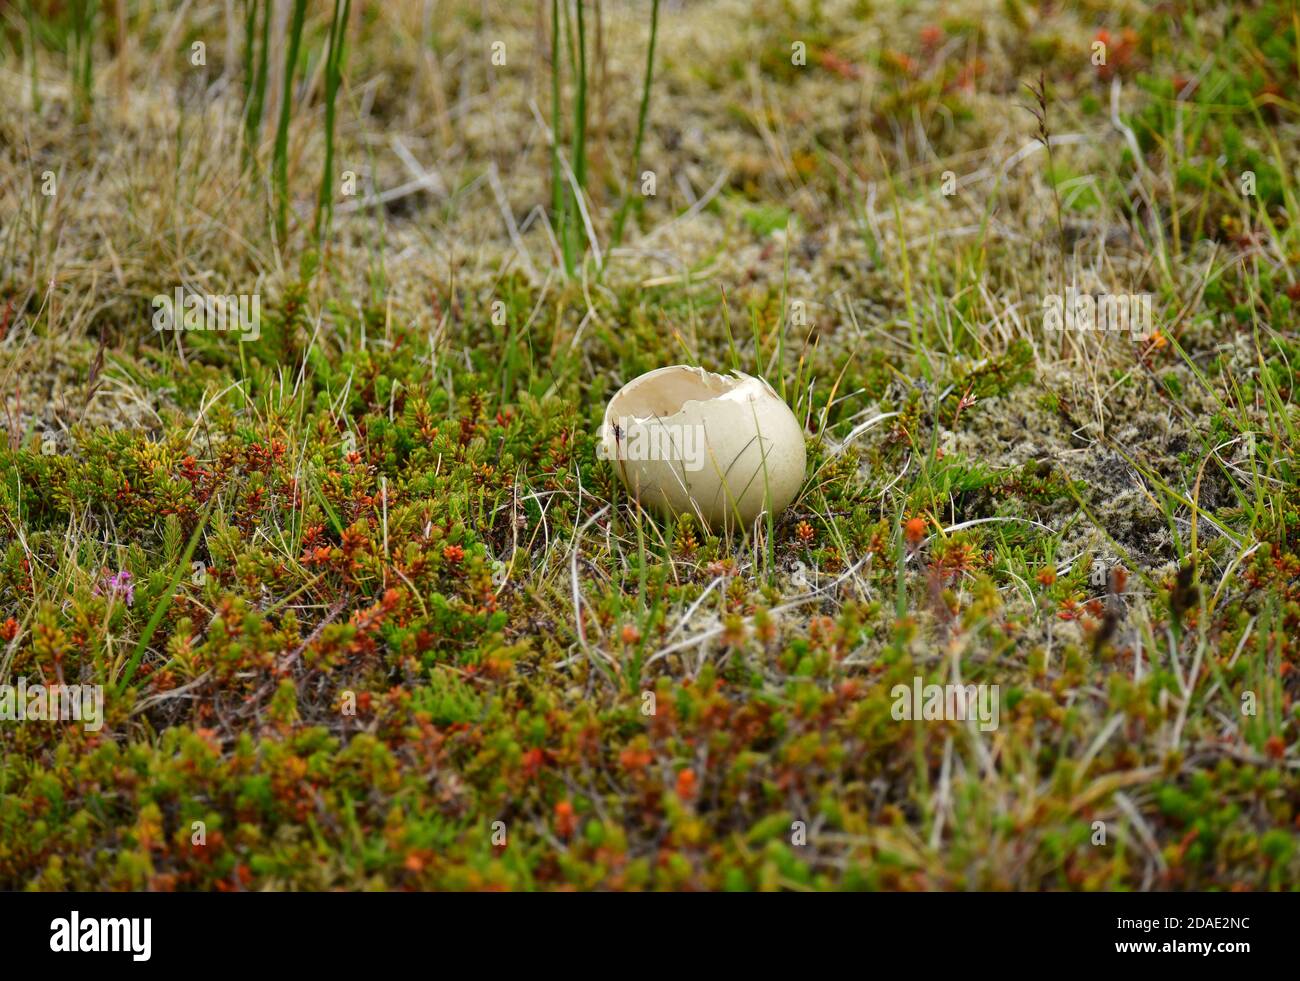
367, 611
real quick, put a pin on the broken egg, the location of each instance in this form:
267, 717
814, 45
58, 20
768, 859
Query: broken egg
724, 448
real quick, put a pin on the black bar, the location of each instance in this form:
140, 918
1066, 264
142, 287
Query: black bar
339, 930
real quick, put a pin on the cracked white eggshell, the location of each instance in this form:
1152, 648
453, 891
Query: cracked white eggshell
688, 441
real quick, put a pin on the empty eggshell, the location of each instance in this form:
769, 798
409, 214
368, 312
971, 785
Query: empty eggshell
724, 448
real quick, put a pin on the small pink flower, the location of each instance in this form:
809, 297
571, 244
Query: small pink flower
119, 584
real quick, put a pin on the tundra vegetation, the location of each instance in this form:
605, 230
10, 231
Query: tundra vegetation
368, 609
